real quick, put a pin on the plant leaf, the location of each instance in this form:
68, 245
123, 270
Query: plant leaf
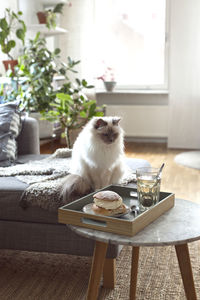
58, 8
99, 114
57, 51
84, 83
92, 110
63, 96
20, 34
4, 24
83, 114
78, 81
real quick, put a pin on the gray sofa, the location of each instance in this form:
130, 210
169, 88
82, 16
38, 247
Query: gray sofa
36, 229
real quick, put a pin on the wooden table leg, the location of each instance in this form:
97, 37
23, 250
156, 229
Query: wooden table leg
134, 272
109, 273
183, 256
96, 270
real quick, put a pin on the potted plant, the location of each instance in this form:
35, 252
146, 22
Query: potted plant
108, 79
71, 108
11, 24
49, 16
72, 113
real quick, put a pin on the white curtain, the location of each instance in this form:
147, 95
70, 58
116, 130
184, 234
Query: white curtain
184, 76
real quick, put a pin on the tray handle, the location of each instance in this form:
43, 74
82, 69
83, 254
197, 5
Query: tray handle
91, 222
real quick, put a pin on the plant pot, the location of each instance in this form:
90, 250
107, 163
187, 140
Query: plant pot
10, 64
45, 127
72, 135
109, 85
42, 18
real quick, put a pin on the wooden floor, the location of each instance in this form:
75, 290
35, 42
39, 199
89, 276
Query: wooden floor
184, 182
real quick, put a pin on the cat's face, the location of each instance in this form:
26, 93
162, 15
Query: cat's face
107, 129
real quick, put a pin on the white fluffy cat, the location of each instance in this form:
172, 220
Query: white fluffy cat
97, 158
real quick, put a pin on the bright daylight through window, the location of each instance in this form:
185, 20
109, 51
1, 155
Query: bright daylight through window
131, 39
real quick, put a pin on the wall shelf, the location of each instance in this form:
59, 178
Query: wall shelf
45, 31
53, 2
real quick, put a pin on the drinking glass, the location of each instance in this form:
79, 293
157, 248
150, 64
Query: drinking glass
148, 187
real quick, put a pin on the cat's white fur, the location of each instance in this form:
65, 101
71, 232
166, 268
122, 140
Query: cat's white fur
100, 164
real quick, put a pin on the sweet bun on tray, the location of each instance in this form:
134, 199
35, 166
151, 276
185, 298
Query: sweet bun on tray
108, 203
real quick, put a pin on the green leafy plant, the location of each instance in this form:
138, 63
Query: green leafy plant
35, 73
68, 105
11, 24
36, 70
51, 15
72, 113
71, 108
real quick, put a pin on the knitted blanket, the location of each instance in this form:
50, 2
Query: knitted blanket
45, 179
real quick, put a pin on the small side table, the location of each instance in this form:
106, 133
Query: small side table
178, 226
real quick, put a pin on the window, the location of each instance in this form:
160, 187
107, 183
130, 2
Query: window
131, 39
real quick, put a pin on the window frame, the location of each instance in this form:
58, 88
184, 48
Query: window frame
165, 85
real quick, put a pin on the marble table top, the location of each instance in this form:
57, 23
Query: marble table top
179, 225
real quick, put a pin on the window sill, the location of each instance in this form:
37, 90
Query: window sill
142, 92
132, 97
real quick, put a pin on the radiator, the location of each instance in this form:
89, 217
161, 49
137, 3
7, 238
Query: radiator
141, 120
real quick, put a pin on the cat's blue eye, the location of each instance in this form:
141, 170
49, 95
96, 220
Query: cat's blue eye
105, 134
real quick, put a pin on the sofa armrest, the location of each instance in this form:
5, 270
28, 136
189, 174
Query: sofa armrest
28, 141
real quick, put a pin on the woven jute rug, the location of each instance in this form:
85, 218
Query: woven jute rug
42, 276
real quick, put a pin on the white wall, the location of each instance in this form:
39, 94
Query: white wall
142, 121
184, 98
144, 115
30, 9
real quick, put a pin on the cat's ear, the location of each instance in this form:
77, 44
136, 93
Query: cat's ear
116, 120
100, 123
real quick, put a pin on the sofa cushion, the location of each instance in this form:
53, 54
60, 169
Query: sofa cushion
11, 190
22, 159
10, 126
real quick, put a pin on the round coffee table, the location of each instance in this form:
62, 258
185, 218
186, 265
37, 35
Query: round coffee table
178, 226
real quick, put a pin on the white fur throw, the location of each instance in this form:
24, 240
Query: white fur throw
45, 179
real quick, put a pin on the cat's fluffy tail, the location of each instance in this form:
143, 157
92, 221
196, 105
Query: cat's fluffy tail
74, 187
